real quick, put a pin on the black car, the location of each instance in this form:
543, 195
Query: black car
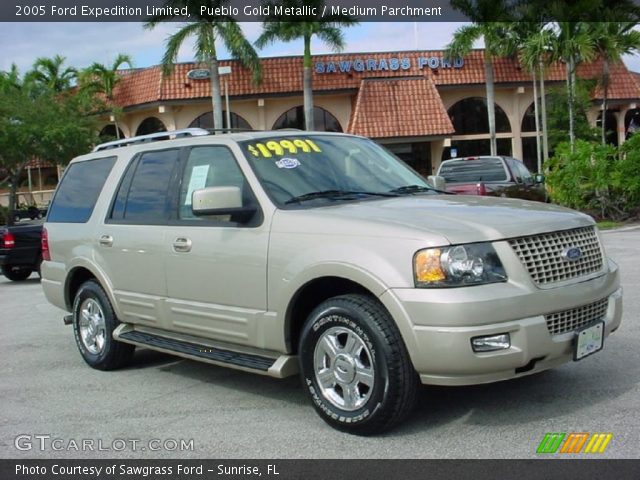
31, 212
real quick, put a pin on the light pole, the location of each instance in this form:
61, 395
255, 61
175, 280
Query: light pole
226, 70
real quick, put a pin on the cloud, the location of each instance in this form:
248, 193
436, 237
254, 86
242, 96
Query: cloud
85, 43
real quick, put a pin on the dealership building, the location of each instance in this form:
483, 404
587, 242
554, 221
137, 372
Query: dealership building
418, 104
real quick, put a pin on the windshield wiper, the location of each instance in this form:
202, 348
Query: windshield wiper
411, 189
337, 194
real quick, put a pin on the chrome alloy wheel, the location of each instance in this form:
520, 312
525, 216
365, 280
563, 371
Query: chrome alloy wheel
92, 326
344, 368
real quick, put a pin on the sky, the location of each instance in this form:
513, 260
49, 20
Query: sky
85, 43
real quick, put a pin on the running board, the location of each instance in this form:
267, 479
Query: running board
272, 364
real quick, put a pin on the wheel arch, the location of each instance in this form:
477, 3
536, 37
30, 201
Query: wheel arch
309, 296
78, 275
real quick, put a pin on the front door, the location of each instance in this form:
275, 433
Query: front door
216, 268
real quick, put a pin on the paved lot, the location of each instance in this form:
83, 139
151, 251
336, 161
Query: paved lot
46, 388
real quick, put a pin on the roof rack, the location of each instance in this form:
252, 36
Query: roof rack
152, 137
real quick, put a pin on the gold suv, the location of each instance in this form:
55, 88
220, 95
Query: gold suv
322, 254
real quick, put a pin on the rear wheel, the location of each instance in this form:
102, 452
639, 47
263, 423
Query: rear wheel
355, 366
16, 274
93, 324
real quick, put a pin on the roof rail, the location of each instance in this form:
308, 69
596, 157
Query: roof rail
152, 137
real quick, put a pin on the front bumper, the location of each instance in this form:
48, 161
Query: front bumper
438, 326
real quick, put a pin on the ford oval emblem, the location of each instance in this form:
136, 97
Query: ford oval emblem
572, 254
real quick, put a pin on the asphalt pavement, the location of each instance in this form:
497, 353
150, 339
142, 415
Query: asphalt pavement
54, 406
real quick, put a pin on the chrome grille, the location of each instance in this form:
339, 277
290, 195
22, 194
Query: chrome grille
542, 254
575, 318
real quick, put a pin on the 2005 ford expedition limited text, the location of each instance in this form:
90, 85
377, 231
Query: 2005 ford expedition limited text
319, 253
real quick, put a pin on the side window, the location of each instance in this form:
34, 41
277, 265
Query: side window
144, 194
520, 171
515, 171
79, 190
210, 167
525, 173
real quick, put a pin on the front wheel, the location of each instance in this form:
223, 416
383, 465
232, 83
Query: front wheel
93, 324
355, 366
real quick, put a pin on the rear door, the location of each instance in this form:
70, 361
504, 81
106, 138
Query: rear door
216, 267
131, 242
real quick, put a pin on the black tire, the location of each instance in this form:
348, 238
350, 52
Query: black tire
91, 302
380, 353
16, 274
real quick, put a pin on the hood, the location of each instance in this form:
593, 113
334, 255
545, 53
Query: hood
452, 218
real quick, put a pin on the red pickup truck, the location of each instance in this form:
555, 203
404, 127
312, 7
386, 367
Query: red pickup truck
495, 176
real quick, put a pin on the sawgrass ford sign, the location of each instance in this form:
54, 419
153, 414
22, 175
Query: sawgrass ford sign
386, 64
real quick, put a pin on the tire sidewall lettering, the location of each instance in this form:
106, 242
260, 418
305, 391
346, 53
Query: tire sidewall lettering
339, 317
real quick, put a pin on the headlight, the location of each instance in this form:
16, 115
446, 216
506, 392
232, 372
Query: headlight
457, 266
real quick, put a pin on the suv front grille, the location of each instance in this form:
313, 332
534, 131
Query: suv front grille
575, 318
542, 254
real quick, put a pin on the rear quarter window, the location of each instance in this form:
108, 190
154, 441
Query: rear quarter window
476, 170
79, 190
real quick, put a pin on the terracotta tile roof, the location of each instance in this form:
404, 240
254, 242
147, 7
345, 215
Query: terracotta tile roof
402, 107
283, 75
623, 84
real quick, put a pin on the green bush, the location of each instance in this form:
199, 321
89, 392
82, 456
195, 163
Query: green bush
600, 179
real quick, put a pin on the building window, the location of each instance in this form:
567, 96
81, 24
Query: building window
108, 133
294, 118
611, 127
529, 120
632, 122
151, 125
474, 148
206, 121
417, 155
530, 153
469, 117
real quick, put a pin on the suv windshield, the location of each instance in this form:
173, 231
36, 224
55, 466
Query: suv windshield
467, 170
317, 169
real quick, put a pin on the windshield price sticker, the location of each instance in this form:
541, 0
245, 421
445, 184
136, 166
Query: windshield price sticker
282, 147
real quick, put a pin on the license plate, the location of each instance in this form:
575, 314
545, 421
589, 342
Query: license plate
589, 341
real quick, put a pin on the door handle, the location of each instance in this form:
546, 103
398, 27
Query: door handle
106, 240
182, 244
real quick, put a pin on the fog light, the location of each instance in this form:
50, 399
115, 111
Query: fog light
491, 343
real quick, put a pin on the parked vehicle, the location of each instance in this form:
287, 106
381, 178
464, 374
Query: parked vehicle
492, 176
20, 250
32, 212
319, 253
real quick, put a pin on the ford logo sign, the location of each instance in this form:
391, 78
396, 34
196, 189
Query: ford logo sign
198, 74
572, 254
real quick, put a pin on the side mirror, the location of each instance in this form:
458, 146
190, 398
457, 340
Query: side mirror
538, 178
437, 182
220, 201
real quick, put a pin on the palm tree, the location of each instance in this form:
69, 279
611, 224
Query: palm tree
326, 28
534, 46
49, 73
206, 29
573, 42
103, 79
11, 80
612, 40
481, 13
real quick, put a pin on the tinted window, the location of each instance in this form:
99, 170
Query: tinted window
523, 173
79, 190
148, 197
210, 167
476, 170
